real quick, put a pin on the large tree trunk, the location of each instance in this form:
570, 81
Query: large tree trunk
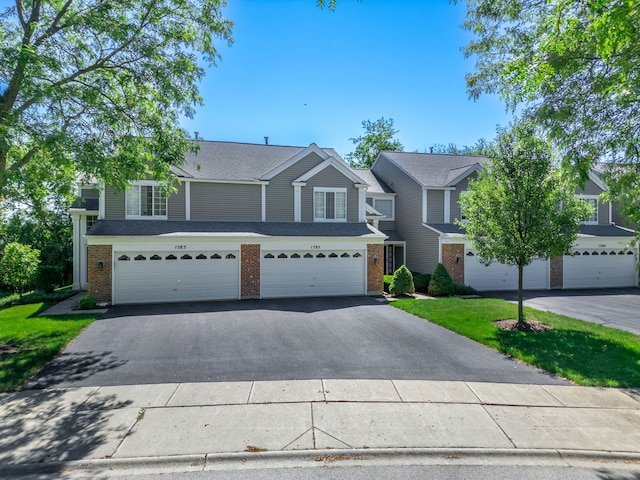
520, 306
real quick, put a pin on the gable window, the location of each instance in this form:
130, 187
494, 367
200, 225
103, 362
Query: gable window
463, 217
385, 207
146, 200
591, 200
329, 204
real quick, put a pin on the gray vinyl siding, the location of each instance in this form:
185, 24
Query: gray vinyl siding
89, 194
332, 178
435, 206
225, 202
462, 186
386, 225
422, 243
369, 201
590, 188
114, 203
176, 204
279, 194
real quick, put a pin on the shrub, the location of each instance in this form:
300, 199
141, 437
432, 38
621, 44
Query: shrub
421, 282
463, 290
37, 297
441, 284
402, 282
47, 278
87, 302
18, 266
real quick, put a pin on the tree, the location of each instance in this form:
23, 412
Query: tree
18, 266
572, 67
98, 87
378, 137
441, 284
479, 148
402, 282
519, 210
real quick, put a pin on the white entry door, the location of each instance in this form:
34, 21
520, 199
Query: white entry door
498, 276
600, 268
301, 273
154, 277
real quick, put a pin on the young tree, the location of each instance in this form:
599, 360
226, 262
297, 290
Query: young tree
19, 265
378, 137
99, 87
519, 210
572, 66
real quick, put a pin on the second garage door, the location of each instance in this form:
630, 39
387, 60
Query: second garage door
149, 277
498, 276
599, 268
312, 273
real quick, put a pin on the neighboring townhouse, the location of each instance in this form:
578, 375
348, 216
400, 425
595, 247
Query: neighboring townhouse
247, 221
427, 189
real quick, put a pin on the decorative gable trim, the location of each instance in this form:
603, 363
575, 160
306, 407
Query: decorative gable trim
476, 167
595, 178
313, 148
338, 165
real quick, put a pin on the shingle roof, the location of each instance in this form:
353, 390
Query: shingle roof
434, 169
192, 228
239, 161
375, 184
585, 230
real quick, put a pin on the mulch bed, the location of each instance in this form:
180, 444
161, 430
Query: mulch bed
531, 326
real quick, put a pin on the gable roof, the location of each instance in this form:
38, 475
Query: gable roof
375, 184
435, 169
239, 161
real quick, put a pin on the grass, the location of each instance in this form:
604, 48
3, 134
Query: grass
28, 342
583, 352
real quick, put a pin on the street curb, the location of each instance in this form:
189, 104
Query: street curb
324, 458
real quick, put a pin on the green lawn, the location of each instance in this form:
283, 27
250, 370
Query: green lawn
28, 342
585, 353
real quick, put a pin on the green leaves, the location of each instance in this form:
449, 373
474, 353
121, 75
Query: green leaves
378, 137
99, 87
18, 265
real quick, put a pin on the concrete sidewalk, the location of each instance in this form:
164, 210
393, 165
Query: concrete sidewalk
195, 426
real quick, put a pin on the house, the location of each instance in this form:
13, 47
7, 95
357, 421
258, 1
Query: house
425, 189
247, 221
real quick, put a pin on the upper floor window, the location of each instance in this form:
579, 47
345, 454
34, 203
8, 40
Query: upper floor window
463, 217
329, 204
91, 221
146, 200
385, 207
593, 201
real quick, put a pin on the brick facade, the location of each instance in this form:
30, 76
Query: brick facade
453, 260
250, 271
375, 273
99, 263
557, 272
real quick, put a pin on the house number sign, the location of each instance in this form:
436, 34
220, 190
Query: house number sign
315, 247
180, 247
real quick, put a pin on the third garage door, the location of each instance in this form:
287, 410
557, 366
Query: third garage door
312, 273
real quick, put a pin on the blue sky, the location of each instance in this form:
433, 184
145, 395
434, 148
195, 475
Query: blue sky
299, 74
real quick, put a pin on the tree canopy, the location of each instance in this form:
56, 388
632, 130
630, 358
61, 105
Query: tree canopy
519, 209
378, 137
98, 87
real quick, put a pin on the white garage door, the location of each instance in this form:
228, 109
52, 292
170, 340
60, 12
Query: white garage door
498, 276
312, 273
151, 277
599, 268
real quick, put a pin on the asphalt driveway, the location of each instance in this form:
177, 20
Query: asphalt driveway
615, 307
351, 337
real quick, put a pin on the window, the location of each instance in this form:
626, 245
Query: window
463, 217
593, 201
385, 207
145, 200
330, 204
91, 221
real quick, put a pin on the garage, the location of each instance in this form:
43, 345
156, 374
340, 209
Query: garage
175, 276
498, 276
293, 273
599, 268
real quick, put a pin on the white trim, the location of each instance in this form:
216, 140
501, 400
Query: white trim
362, 206
583, 196
146, 183
313, 148
334, 190
447, 207
101, 205
393, 207
232, 182
187, 201
338, 165
424, 205
297, 202
476, 167
597, 180
263, 202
